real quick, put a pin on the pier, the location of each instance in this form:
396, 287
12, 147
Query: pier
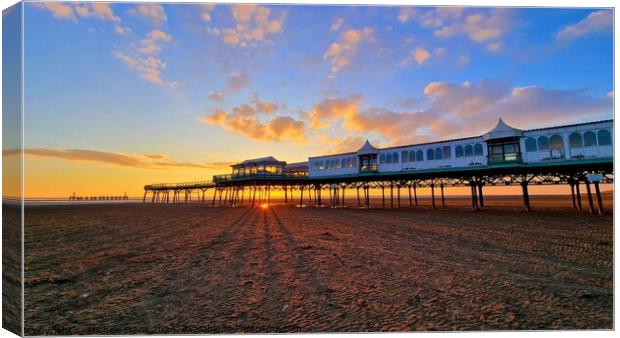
580, 156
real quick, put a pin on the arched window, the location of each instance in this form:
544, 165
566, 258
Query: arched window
543, 143
412, 156
556, 142
447, 152
589, 139
478, 149
388, 158
458, 151
604, 137
337, 163
430, 154
530, 145
382, 158
404, 157
469, 150
345, 162
575, 140
438, 154
395, 158
419, 156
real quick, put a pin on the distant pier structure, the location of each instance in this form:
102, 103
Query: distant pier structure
577, 155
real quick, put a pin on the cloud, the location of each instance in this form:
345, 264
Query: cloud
449, 106
494, 46
149, 68
143, 58
479, 27
485, 101
71, 11
58, 10
216, 96
420, 55
151, 44
595, 22
463, 60
337, 24
152, 13
236, 81
405, 14
250, 120
253, 23
335, 145
145, 161
341, 53
206, 11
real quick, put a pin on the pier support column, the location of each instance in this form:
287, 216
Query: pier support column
398, 195
578, 194
318, 189
383, 195
367, 196
269, 194
357, 190
254, 195
433, 194
301, 196
474, 197
599, 199
285, 194
391, 195
480, 195
415, 194
344, 188
572, 192
526, 196
443, 199
144, 198
590, 202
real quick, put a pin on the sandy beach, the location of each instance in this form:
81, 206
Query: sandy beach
140, 268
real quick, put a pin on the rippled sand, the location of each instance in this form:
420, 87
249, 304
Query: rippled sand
107, 269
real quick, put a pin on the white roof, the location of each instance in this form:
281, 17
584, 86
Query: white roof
502, 130
367, 148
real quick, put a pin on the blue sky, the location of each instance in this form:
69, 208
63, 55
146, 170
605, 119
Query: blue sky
207, 84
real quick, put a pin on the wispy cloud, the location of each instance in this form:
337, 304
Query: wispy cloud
71, 11
419, 55
253, 24
145, 161
405, 14
595, 22
58, 10
216, 96
484, 27
341, 53
143, 58
152, 13
237, 81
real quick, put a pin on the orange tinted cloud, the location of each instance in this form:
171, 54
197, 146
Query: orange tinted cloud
249, 120
146, 161
152, 13
341, 53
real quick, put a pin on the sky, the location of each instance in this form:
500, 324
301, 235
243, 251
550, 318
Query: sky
120, 95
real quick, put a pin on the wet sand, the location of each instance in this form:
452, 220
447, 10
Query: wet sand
119, 269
